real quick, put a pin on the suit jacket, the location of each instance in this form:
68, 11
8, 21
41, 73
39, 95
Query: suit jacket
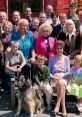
70, 45
56, 30
78, 44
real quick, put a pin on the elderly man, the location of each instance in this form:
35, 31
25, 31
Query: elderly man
14, 63
49, 10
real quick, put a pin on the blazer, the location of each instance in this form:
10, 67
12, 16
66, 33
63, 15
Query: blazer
56, 30
41, 48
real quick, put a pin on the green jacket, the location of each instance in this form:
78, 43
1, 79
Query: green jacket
41, 75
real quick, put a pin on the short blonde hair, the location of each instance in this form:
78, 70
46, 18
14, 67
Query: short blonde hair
70, 22
79, 57
45, 26
9, 24
23, 21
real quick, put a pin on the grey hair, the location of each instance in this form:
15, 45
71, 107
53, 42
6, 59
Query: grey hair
14, 42
70, 22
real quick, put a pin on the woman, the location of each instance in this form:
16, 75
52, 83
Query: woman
45, 45
7, 28
59, 66
35, 26
70, 31
25, 39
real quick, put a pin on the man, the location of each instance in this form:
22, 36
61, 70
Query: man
58, 29
42, 18
49, 10
16, 18
14, 63
28, 13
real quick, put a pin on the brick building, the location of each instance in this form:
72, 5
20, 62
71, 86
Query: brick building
37, 5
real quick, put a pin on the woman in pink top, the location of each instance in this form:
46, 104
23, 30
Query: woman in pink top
45, 45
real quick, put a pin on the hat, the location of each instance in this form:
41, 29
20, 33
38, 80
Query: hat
60, 43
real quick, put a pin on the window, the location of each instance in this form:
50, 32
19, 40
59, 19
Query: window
16, 5
35, 5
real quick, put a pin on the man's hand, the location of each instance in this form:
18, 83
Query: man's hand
19, 69
32, 60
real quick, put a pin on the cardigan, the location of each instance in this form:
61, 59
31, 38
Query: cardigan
66, 63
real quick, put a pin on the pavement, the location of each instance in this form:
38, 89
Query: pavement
7, 111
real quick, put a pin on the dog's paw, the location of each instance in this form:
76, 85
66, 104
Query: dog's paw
31, 115
37, 112
17, 114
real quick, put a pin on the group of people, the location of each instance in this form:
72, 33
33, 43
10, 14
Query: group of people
41, 48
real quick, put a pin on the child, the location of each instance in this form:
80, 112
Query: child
41, 77
75, 86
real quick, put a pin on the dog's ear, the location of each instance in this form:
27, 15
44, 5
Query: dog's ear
21, 78
28, 80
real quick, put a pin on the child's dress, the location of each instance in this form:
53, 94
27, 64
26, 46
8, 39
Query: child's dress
75, 87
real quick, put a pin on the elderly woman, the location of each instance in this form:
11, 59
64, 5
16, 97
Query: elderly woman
45, 45
59, 66
7, 28
25, 39
70, 31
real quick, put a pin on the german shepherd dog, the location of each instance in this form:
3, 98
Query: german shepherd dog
27, 98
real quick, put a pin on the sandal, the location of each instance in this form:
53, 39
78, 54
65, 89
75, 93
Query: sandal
54, 114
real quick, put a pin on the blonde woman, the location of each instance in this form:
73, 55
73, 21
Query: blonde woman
45, 45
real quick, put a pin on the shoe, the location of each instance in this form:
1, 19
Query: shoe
54, 114
63, 115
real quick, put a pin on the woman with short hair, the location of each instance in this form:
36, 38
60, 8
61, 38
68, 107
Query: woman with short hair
59, 66
44, 44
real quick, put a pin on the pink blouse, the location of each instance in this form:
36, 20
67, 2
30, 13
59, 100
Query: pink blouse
41, 48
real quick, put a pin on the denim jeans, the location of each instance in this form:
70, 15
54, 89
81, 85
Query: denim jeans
10, 74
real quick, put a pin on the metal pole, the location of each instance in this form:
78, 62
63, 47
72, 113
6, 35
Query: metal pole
7, 7
43, 5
